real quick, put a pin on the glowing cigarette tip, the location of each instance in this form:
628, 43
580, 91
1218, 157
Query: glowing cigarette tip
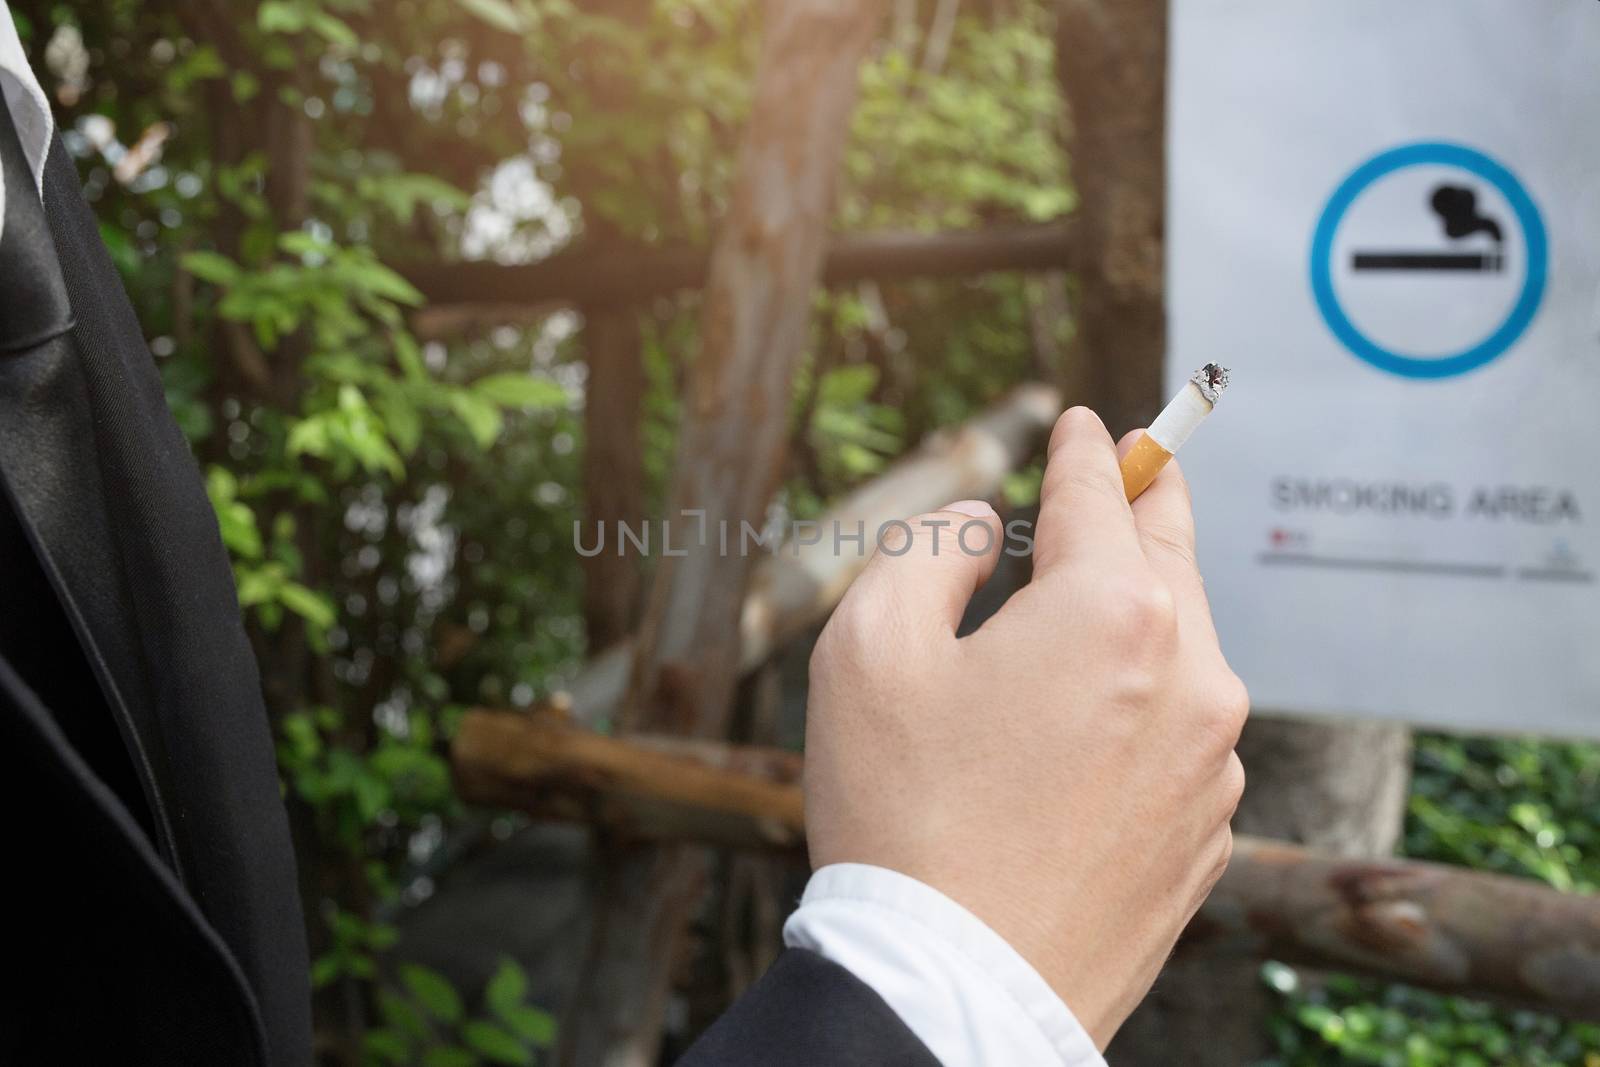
1172, 428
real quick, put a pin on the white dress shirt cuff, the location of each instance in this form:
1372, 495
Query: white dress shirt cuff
955, 983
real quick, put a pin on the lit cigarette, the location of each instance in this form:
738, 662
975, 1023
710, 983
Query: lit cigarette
1172, 428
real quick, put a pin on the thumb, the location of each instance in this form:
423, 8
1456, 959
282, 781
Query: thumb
928, 567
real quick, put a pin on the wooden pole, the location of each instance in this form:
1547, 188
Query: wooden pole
1111, 61
613, 468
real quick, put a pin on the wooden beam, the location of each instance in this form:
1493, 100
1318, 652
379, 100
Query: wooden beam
645, 788
615, 277
1446, 928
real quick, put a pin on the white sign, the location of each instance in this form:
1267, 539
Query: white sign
1385, 218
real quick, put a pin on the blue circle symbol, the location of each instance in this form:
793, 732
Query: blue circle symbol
1430, 153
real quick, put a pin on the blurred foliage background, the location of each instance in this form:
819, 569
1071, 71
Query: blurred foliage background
1520, 807
398, 493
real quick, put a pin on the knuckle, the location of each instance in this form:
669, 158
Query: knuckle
849, 630
863, 647
1064, 481
932, 535
1225, 712
1141, 610
1234, 703
824, 654
939, 535
1168, 539
895, 539
1142, 687
1233, 783
1224, 855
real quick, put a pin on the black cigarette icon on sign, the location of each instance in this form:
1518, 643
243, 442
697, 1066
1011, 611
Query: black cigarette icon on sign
1449, 261
1457, 208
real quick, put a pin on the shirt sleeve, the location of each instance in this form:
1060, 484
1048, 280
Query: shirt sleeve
959, 986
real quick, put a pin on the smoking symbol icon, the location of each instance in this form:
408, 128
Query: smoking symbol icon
1457, 208
1459, 278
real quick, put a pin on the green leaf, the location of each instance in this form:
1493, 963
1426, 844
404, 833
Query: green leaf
309, 436
482, 418
301, 243
259, 585
847, 386
1022, 488
381, 281
436, 995
507, 988
400, 1014
326, 969
388, 1046
520, 391
201, 64
280, 16
371, 796
381, 936
333, 30
496, 1045
496, 13
237, 524
533, 1025
211, 267
315, 608
399, 416
245, 86
448, 1056
409, 357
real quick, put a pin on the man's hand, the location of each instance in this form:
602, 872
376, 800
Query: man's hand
1067, 772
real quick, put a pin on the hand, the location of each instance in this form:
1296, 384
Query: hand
1067, 772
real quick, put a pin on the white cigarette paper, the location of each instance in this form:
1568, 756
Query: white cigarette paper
1177, 421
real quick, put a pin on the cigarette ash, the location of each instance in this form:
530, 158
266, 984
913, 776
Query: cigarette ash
1212, 381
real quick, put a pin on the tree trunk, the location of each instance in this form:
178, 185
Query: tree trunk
765, 266
1111, 60
613, 461
1335, 786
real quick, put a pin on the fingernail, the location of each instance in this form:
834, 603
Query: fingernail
978, 509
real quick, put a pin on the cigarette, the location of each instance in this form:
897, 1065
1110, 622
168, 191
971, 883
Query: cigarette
1172, 428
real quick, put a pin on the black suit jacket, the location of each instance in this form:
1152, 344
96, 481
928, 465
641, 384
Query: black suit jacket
159, 920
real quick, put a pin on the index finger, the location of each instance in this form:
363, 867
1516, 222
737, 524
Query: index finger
1083, 510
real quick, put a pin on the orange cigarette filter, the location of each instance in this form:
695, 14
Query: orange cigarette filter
1156, 446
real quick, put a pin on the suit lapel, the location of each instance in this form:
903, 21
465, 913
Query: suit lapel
163, 616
